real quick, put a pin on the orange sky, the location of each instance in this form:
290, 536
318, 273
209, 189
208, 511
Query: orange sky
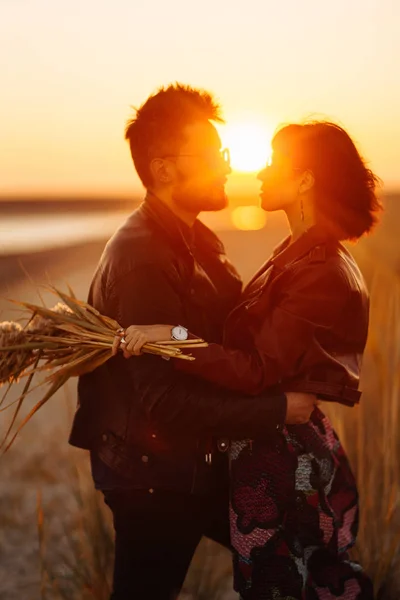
70, 71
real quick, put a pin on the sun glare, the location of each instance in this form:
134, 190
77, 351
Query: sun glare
249, 144
248, 218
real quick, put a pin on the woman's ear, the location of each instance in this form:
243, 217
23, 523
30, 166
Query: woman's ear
161, 171
307, 182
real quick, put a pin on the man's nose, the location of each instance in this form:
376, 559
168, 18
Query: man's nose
222, 170
227, 169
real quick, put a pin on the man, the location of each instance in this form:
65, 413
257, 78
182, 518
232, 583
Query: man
157, 437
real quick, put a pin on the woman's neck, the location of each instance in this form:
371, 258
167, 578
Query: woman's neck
300, 219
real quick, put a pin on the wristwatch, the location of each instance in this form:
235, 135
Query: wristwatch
179, 333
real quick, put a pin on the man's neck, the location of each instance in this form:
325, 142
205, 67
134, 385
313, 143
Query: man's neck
187, 217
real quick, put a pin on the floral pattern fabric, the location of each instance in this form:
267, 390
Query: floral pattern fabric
294, 517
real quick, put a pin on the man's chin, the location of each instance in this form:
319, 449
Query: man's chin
214, 202
214, 206
211, 201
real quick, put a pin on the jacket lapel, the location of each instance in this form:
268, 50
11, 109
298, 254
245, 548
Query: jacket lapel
291, 253
268, 263
284, 255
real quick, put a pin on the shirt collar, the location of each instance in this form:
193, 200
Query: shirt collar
179, 231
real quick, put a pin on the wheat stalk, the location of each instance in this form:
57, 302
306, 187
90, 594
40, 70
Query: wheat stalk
70, 339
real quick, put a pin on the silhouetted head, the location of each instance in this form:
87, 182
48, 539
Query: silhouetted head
177, 150
317, 164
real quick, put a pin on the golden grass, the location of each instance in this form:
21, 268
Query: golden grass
80, 567
371, 438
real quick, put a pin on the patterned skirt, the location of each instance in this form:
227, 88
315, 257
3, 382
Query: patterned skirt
294, 517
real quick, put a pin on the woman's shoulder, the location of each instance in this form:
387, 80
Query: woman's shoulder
330, 266
340, 271
350, 270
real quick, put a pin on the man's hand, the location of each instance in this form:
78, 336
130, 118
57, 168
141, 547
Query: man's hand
299, 407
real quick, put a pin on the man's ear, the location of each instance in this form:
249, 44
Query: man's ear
161, 171
307, 182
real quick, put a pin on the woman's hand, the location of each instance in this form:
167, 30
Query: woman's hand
132, 340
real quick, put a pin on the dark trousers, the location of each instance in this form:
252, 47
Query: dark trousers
156, 535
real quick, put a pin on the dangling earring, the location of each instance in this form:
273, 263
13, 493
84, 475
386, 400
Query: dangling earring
301, 210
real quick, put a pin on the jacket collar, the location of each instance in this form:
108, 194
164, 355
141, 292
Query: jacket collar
287, 253
177, 230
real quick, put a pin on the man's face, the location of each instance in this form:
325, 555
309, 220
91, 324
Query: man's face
201, 169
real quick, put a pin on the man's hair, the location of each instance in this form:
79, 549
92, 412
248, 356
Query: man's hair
345, 189
156, 129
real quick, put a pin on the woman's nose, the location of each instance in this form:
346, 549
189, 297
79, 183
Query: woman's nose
261, 175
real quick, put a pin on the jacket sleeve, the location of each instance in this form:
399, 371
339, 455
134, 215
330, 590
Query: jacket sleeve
287, 341
179, 401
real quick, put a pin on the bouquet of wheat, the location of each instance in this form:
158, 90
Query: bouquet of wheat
69, 339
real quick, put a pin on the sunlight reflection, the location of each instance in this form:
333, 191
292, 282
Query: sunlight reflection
248, 218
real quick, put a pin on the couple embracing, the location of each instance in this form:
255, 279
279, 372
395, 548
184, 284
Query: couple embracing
234, 445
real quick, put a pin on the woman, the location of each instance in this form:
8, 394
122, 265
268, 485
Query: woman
302, 324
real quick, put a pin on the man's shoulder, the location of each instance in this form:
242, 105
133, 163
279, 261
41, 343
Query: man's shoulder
136, 245
137, 242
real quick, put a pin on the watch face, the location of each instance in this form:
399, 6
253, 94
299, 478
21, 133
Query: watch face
180, 333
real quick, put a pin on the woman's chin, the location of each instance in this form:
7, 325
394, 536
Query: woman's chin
268, 204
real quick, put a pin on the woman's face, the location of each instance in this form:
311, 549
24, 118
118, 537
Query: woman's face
280, 183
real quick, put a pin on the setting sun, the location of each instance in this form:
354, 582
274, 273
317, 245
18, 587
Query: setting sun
249, 144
